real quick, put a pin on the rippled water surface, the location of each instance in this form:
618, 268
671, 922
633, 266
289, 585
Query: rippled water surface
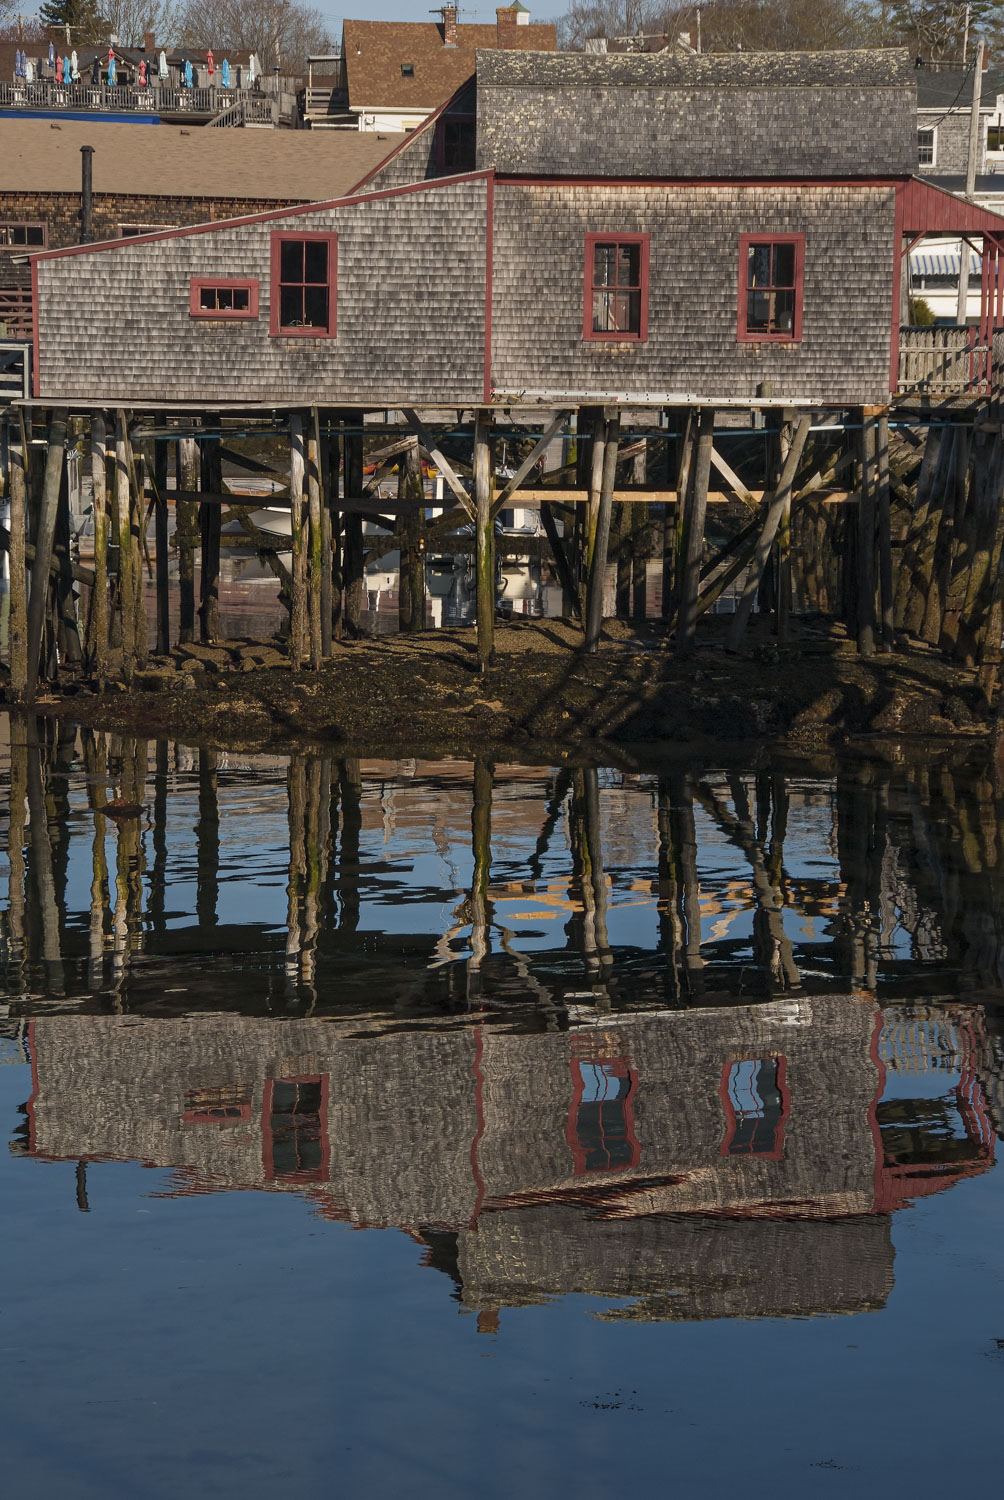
427, 1128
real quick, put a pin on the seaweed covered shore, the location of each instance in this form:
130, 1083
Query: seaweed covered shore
426, 691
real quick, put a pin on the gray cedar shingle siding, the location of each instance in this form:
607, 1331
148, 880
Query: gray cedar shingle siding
115, 325
746, 115
539, 278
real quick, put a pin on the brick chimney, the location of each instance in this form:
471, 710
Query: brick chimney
506, 23
149, 41
449, 25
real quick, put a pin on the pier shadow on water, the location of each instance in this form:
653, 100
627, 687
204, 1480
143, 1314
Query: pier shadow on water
667, 1047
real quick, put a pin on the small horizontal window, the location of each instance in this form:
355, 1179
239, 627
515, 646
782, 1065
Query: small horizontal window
407, 70
17, 236
219, 298
130, 231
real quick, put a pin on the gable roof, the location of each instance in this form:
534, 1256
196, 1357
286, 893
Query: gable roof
169, 161
375, 50
952, 88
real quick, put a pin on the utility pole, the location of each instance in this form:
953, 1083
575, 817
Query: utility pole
965, 36
974, 151
698, 28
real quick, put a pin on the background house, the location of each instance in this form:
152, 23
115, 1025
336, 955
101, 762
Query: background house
396, 73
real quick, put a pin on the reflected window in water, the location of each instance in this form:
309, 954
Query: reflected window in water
756, 1106
217, 1106
601, 1120
295, 1114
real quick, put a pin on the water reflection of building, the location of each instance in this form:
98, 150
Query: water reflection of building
704, 1163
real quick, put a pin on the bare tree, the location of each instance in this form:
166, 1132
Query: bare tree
130, 20
282, 33
727, 25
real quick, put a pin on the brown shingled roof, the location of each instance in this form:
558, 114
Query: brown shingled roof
290, 166
375, 51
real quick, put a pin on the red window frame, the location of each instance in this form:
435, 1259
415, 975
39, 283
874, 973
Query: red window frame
614, 1067
198, 284
590, 334
743, 334
322, 1171
776, 1152
278, 330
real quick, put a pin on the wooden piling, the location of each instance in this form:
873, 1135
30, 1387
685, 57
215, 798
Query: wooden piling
316, 544
210, 525
137, 535
18, 626
125, 599
353, 557
886, 596
782, 620
601, 539
98, 643
484, 540
187, 477
866, 537
411, 594
333, 456
299, 626
481, 845
695, 507
161, 545
44, 540
771, 521
327, 531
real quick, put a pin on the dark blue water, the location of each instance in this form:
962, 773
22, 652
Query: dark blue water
420, 1129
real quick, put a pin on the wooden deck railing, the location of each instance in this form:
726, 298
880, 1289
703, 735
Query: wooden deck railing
258, 108
946, 362
15, 312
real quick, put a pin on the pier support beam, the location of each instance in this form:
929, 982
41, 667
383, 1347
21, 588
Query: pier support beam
354, 562
299, 632
18, 627
484, 540
315, 554
44, 541
601, 539
98, 644
210, 522
772, 520
160, 545
187, 479
866, 537
694, 505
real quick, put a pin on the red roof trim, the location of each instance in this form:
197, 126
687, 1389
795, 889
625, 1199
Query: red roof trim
932, 210
267, 216
409, 140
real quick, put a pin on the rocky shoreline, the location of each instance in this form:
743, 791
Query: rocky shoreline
426, 691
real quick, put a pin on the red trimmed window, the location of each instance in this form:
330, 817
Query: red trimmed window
212, 297
303, 285
616, 287
770, 288
295, 1129
600, 1128
216, 1106
755, 1098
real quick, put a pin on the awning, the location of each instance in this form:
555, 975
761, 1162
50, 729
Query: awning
941, 263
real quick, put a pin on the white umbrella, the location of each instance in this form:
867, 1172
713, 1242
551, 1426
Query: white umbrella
74, 66
162, 64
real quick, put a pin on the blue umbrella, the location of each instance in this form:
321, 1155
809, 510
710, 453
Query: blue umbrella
188, 73
225, 73
52, 56
67, 75
19, 63
111, 72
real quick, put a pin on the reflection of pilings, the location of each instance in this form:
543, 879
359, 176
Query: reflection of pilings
481, 844
296, 781
860, 860
350, 796
207, 839
684, 836
41, 864
771, 946
589, 930
670, 925
552, 813
95, 752
156, 905
15, 850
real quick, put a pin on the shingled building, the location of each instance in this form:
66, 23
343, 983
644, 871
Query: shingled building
636, 229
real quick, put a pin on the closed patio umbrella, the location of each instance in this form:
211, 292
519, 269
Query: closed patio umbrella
74, 66
225, 73
188, 73
210, 62
111, 70
162, 65
52, 56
